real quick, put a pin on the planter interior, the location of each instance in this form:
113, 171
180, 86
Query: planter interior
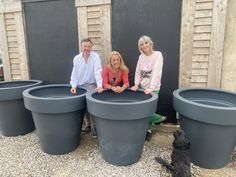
58, 116
14, 118
117, 119
208, 117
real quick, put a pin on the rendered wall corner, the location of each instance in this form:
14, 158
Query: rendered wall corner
12, 41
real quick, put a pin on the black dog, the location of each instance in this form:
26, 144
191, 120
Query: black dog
180, 157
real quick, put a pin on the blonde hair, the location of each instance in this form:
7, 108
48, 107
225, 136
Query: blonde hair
122, 63
143, 39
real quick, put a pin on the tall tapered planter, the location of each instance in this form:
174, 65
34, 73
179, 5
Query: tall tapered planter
208, 117
58, 116
121, 121
14, 118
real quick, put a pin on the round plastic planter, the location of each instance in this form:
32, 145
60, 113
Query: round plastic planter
121, 122
14, 118
58, 116
208, 116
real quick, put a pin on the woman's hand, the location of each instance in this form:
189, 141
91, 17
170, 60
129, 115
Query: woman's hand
99, 89
117, 89
73, 90
134, 88
147, 91
125, 86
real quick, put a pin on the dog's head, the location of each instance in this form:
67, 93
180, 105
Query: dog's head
180, 140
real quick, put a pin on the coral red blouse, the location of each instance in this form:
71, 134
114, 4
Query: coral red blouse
111, 78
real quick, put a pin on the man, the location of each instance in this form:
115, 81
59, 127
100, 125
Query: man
87, 72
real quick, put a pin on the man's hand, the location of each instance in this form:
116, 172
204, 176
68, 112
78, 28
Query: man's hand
73, 90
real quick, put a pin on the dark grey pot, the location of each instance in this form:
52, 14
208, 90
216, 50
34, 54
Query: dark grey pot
14, 118
121, 122
208, 116
58, 116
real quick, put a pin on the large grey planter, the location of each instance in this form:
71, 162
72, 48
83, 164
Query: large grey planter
58, 116
208, 116
14, 118
121, 122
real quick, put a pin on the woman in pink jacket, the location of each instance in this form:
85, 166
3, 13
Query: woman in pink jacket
148, 74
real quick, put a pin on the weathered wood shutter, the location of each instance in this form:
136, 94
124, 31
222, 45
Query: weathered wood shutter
202, 42
12, 40
94, 22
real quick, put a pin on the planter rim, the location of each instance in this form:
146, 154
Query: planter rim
217, 115
15, 93
177, 92
53, 105
26, 93
90, 93
121, 111
34, 82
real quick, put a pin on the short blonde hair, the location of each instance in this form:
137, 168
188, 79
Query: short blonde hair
122, 63
143, 39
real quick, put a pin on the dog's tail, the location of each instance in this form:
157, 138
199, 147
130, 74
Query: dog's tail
165, 163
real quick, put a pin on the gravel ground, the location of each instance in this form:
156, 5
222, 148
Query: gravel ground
22, 157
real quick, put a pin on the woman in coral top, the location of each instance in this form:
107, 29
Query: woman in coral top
115, 73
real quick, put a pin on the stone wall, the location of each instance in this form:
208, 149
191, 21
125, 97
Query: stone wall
229, 63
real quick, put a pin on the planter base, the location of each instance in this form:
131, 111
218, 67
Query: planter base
59, 133
121, 121
121, 142
208, 118
212, 146
58, 116
15, 120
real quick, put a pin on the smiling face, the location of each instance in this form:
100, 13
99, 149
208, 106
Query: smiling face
146, 47
86, 47
115, 61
